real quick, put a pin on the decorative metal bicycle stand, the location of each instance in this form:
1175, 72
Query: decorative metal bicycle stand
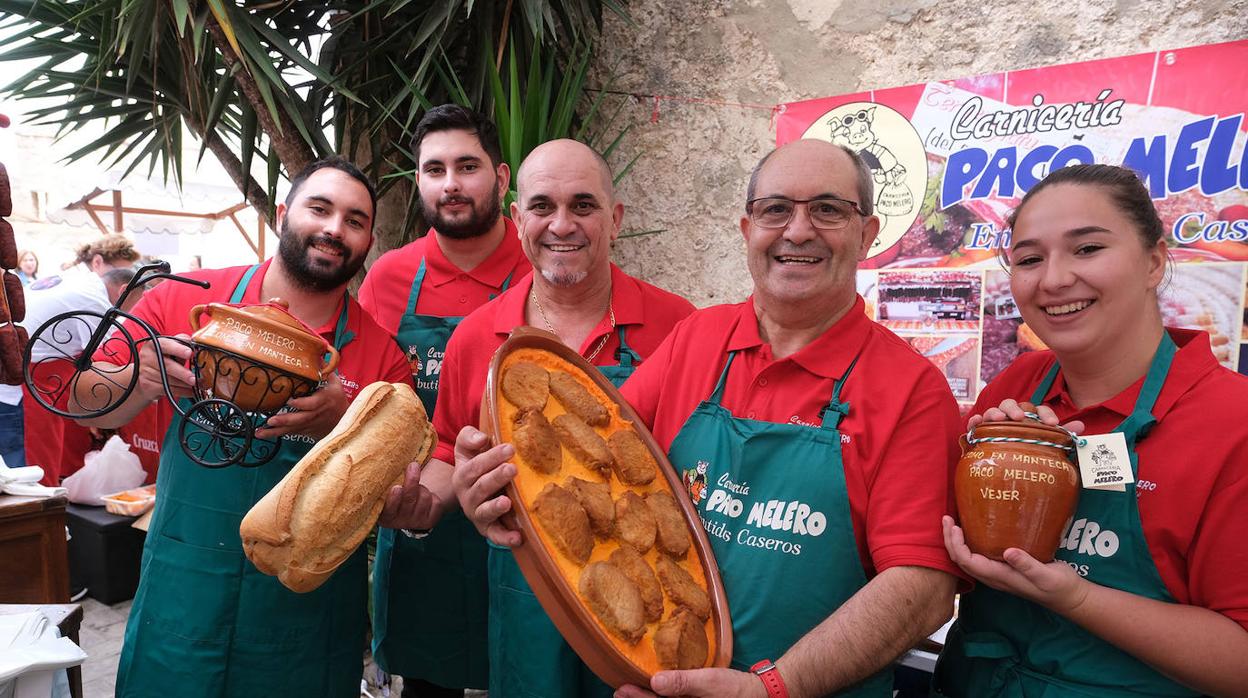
233, 395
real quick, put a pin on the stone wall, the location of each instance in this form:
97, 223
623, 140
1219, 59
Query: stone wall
691, 176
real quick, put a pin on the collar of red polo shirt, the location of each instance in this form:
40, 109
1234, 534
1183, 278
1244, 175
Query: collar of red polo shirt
772, 681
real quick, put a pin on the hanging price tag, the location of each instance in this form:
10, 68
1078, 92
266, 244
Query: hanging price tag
1104, 463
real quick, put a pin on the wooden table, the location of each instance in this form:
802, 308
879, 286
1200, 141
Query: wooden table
68, 619
34, 560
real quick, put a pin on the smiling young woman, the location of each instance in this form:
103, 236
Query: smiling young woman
1163, 611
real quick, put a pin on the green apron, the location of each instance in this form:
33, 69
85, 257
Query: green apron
528, 656
1003, 645
205, 621
773, 499
430, 595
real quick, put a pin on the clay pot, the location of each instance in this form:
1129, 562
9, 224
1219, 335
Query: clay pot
251, 338
1012, 494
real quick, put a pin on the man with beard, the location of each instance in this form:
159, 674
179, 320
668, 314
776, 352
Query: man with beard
419, 293
205, 621
568, 218
806, 407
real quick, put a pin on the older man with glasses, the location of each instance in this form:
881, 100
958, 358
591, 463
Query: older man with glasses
834, 436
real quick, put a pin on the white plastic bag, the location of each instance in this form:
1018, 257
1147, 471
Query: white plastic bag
33, 657
111, 469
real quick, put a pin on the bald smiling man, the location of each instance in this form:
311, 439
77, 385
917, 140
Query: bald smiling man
568, 217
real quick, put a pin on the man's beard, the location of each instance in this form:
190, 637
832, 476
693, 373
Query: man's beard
317, 277
478, 223
564, 278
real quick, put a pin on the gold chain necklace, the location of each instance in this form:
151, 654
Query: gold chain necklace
601, 343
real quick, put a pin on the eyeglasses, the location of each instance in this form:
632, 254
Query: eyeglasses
851, 118
826, 212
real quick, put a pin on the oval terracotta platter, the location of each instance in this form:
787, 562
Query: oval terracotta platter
613, 547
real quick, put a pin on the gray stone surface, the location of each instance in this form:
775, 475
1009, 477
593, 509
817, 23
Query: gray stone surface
103, 629
690, 180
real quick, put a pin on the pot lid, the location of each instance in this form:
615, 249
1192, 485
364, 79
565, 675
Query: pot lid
1031, 430
275, 311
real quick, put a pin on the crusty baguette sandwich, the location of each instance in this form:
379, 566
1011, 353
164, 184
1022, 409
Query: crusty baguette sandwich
312, 521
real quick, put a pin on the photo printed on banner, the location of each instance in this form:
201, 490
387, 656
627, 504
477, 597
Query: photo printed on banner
929, 301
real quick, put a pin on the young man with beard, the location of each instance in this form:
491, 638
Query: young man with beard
205, 621
804, 404
419, 293
568, 217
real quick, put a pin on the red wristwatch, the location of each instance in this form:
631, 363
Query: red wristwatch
772, 681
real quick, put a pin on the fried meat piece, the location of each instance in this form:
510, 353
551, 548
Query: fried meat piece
565, 521
536, 441
673, 534
595, 499
634, 464
525, 384
614, 598
681, 588
635, 567
577, 400
680, 641
584, 443
634, 522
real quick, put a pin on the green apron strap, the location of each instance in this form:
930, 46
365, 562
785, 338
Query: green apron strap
506, 283
241, 288
1043, 389
836, 410
1141, 419
718, 395
342, 336
414, 294
624, 354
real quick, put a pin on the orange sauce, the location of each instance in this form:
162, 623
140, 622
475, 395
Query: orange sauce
531, 482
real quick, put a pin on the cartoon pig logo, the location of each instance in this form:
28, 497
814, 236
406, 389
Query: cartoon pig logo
695, 481
854, 131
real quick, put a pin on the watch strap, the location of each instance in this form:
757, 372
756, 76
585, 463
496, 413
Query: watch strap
767, 671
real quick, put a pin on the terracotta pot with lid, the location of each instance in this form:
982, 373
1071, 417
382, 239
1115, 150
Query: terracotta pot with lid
253, 336
1016, 487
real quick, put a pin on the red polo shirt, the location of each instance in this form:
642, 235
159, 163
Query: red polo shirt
1193, 472
448, 291
145, 432
646, 312
371, 356
899, 440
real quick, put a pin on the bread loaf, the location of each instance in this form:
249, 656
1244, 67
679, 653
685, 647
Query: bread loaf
316, 517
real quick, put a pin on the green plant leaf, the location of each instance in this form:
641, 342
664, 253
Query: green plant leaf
247, 137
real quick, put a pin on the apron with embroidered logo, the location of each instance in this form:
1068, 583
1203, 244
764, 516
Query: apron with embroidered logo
205, 621
1003, 645
543, 666
772, 498
430, 595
